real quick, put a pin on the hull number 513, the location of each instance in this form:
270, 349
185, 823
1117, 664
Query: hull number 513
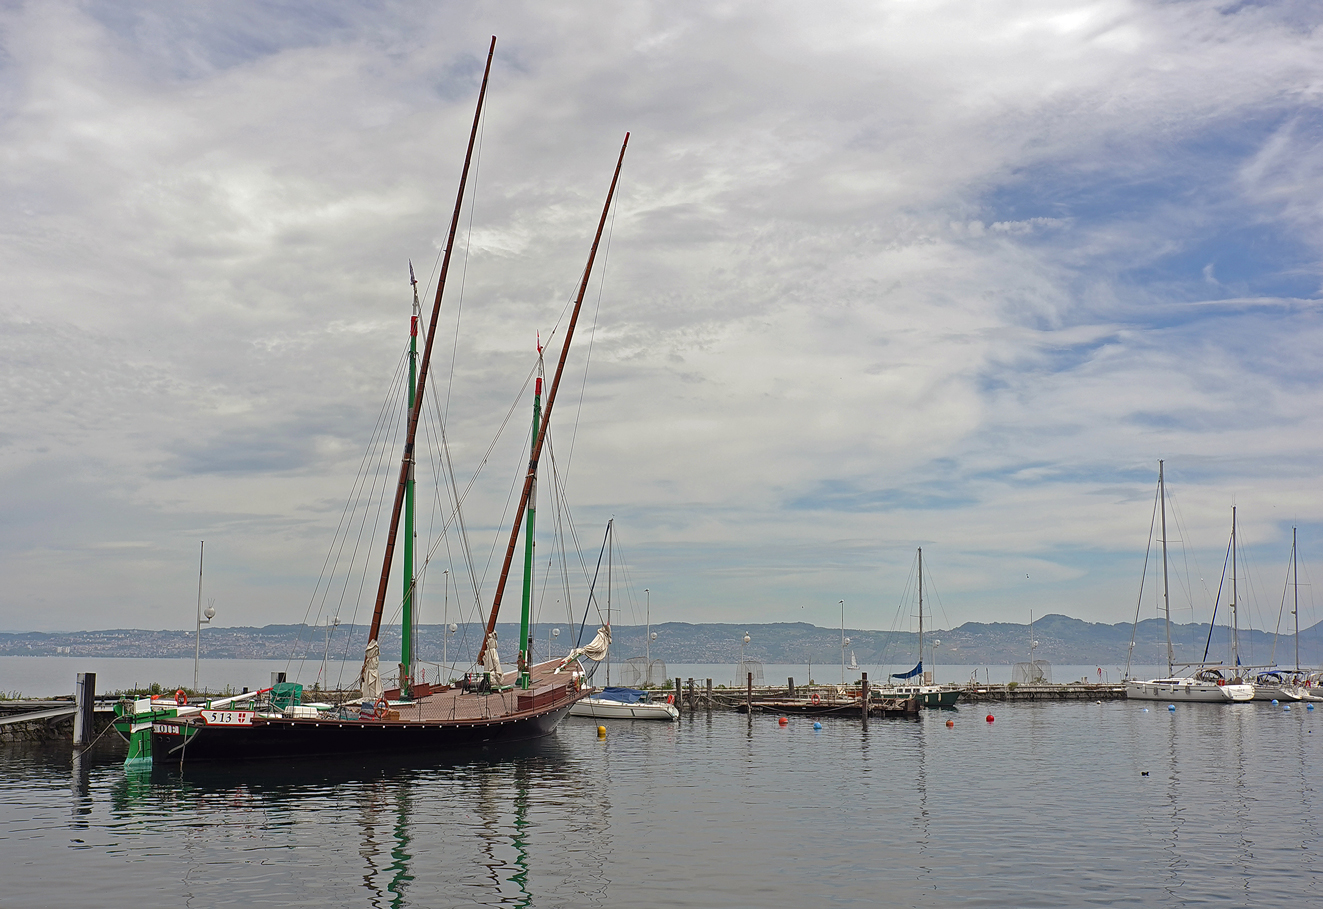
228, 717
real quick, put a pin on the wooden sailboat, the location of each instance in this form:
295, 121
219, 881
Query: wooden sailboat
1207, 684
489, 706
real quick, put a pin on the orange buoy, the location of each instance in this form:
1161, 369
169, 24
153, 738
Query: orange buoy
990, 718
950, 724
782, 721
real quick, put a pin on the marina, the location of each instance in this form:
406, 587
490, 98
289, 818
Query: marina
1141, 813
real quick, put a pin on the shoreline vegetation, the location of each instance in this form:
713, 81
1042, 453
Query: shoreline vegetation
1059, 639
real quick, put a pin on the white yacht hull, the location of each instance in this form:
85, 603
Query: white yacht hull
1186, 691
601, 709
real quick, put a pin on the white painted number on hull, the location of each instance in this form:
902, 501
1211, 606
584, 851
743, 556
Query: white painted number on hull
228, 717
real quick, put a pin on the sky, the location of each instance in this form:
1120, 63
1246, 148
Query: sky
942, 275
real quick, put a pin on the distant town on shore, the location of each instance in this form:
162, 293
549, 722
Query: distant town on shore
1056, 638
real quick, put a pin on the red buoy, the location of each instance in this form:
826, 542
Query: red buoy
782, 721
950, 724
990, 718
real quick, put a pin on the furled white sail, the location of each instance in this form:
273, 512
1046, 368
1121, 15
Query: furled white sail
491, 660
371, 679
594, 650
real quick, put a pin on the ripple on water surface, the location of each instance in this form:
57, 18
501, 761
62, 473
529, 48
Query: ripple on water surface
1048, 806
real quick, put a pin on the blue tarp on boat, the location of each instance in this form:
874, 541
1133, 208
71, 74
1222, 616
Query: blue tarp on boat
624, 695
909, 675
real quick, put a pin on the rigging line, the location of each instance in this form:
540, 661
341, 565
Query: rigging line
481, 464
464, 268
381, 445
578, 642
1212, 622
592, 335
1143, 575
559, 490
346, 516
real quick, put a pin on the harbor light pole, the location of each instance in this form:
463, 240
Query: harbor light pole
553, 633
445, 646
743, 641
843, 643
210, 614
330, 626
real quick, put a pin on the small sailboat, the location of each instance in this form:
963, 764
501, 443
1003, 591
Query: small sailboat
489, 707
1207, 684
853, 667
619, 703
928, 694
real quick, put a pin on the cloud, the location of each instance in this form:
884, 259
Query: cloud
911, 274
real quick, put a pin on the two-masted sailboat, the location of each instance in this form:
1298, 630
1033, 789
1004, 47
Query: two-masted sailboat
488, 706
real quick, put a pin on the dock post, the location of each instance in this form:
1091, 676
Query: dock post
748, 698
709, 695
84, 697
790, 687
679, 695
691, 695
863, 691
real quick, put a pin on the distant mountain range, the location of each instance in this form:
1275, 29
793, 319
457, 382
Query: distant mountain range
1060, 640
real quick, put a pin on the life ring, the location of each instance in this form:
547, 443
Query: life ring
1221, 682
181, 699
815, 699
379, 709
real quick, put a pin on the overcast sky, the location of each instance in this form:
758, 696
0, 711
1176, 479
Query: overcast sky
881, 275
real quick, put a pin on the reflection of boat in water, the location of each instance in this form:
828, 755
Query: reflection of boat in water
924, 691
1207, 685
488, 706
625, 704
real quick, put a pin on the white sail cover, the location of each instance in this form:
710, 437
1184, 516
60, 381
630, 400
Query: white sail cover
491, 660
371, 678
595, 649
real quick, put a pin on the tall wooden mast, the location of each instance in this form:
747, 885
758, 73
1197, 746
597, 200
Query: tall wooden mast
406, 465
531, 476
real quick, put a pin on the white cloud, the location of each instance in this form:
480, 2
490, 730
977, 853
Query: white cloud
915, 272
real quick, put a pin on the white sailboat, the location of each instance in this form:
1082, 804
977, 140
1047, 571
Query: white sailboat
1206, 685
929, 694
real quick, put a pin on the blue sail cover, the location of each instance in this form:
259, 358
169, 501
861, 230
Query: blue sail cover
909, 675
624, 695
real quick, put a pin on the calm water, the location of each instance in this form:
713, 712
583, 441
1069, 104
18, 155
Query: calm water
1044, 807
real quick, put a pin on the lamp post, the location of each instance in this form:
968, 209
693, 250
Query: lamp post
843, 642
445, 647
210, 614
933, 651
743, 641
553, 633
331, 625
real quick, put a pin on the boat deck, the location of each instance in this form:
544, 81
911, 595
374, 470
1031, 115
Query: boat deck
456, 705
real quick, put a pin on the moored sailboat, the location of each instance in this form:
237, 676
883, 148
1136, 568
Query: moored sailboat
488, 706
927, 693
1207, 684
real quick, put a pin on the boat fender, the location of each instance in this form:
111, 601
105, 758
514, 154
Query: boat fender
670, 699
1221, 682
181, 698
379, 709
815, 699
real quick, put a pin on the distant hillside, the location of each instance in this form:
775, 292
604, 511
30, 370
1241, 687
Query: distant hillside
1061, 640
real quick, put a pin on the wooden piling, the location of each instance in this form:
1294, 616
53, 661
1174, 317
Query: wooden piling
749, 698
84, 698
709, 694
863, 691
679, 695
691, 696
790, 687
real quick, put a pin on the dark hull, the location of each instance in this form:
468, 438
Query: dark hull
321, 738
